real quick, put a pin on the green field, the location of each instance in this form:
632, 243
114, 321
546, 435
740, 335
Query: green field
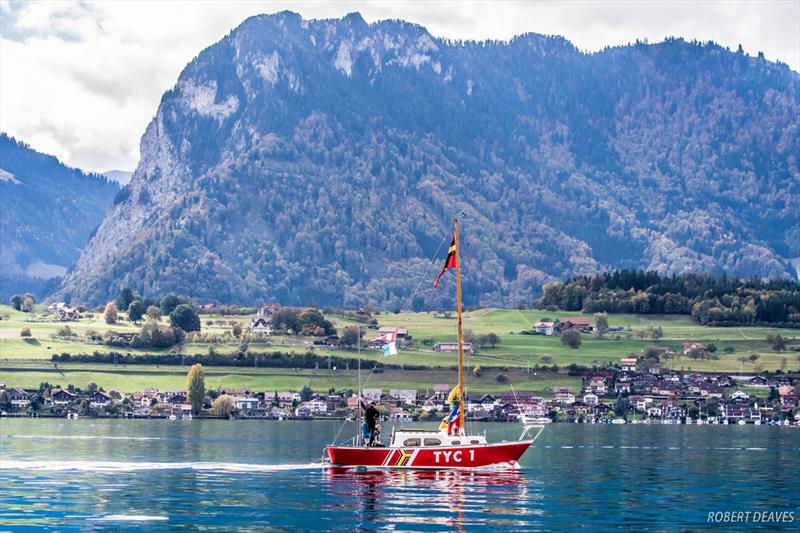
135, 377
516, 351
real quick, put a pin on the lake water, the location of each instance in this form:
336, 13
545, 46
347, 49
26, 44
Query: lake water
225, 475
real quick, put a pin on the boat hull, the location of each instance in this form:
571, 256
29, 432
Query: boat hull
445, 457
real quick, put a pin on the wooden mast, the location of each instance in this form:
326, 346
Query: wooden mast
460, 336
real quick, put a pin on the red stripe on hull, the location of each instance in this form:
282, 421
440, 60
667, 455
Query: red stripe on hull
438, 457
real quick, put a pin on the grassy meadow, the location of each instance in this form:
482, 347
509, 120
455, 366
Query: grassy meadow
27, 362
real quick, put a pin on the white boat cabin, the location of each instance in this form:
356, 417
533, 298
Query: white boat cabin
421, 438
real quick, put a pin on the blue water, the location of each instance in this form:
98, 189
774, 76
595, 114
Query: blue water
153, 475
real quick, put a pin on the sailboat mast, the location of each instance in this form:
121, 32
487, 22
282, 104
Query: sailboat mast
360, 392
460, 335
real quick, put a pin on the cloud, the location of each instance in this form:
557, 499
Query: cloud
81, 79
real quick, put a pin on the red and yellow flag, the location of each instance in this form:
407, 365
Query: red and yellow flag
450, 262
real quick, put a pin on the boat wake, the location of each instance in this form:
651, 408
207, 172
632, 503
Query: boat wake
125, 466
78, 437
128, 518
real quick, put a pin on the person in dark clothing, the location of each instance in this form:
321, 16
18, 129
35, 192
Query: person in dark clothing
371, 415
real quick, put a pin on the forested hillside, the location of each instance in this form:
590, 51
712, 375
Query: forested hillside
711, 301
47, 212
322, 162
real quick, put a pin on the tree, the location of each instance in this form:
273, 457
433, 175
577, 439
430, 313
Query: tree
656, 332
124, 299
16, 302
753, 357
621, 406
476, 371
601, 321
195, 388
571, 338
153, 312
185, 317
25, 332
136, 310
778, 342
286, 319
774, 394
236, 329
306, 393
490, 339
169, 302
91, 388
110, 313
223, 406
546, 359
350, 336
28, 301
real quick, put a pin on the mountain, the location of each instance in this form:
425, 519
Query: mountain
48, 211
321, 161
123, 177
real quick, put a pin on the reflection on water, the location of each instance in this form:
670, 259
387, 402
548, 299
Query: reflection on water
240, 476
455, 499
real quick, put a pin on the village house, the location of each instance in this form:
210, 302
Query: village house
739, 396
303, 411
451, 347
249, 403
545, 327
399, 333
406, 396
175, 399
598, 384
18, 398
622, 386
688, 347
99, 399
640, 403
316, 406
758, 381
484, 402
331, 341
235, 391
145, 398
628, 364
261, 326
63, 312
584, 325
285, 398
521, 398
590, 398
388, 401
441, 390
63, 397
372, 395
334, 401
708, 390
352, 402
563, 395
267, 310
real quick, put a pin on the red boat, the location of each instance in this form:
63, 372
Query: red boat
416, 448
448, 448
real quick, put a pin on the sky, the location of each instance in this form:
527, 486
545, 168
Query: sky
81, 79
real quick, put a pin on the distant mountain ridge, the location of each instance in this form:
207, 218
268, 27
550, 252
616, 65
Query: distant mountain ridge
323, 160
123, 177
48, 211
